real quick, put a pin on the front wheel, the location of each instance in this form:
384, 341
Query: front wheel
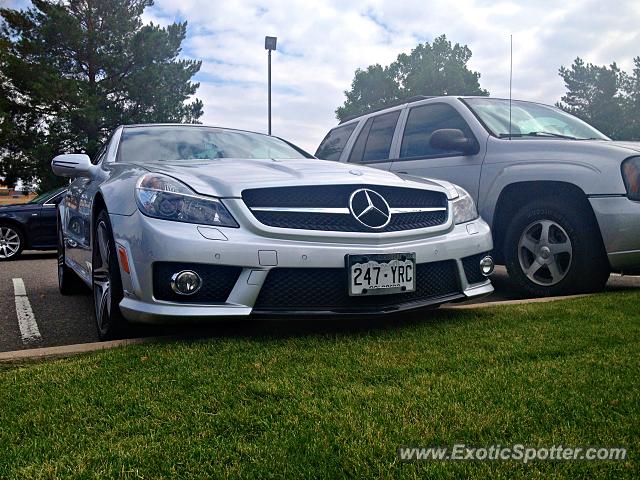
553, 247
107, 284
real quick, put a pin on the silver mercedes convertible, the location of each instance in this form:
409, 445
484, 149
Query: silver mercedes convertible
178, 222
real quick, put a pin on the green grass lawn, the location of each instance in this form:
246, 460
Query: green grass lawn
334, 399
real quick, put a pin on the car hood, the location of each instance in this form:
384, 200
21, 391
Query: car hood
635, 146
229, 177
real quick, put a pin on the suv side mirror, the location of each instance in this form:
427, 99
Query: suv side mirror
452, 139
72, 165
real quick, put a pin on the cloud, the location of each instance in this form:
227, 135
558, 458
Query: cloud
15, 4
322, 42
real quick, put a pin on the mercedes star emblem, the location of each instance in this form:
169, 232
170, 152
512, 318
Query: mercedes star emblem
369, 208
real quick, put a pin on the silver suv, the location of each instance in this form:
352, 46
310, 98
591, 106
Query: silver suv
563, 200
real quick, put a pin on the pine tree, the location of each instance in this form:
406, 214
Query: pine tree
631, 129
595, 94
71, 71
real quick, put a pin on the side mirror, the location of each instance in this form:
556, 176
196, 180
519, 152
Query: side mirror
453, 140
72, 165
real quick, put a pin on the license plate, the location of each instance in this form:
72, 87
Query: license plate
381, 274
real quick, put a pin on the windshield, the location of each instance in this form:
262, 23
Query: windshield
175, 143
530, 119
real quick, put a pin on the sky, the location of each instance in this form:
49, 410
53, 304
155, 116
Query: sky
321, 44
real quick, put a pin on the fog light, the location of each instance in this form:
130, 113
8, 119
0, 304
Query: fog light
186, 282
487, 266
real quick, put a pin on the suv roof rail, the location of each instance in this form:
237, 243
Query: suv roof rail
395, 103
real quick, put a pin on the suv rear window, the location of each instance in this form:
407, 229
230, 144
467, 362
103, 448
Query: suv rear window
374, 141
333, 144
422, 122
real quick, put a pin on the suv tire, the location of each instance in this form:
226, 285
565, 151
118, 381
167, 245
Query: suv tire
555, 250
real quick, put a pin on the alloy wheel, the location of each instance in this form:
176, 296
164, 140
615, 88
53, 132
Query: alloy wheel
545, 252
102, 277
9, 242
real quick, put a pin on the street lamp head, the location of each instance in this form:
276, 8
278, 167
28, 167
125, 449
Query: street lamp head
270, 43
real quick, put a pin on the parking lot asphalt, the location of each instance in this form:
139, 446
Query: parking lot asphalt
39, 316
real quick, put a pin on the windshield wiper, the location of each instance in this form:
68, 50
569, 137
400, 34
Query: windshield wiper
537, 134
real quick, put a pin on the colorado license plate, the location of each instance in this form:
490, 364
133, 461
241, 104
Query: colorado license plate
381, 274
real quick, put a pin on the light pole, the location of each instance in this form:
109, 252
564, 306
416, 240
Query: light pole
270, 44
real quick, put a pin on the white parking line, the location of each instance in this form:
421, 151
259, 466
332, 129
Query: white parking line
26, 319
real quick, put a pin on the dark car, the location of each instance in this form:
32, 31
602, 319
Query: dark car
29, 225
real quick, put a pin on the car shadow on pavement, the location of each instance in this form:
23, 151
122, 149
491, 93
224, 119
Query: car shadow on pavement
289, 327
294, 327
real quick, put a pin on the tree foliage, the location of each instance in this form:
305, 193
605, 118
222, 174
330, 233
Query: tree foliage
632, 103
604, 96
72, 71
439, 68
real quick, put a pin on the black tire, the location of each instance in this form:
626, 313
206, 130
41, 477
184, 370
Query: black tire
68, 281
106, 281
584, 269
11, 242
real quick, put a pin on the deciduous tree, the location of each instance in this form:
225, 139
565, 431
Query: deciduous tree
439, 68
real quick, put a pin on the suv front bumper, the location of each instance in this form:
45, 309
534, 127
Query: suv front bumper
619, 221
148, 240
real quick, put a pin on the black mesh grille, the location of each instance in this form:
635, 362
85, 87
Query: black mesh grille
472, 268
326, 289
217, 282
346, 223
337, 196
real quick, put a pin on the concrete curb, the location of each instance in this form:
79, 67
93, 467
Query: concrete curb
68, 350
512, 302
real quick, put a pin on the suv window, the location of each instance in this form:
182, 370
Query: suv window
333, 144
422, 122
374, 141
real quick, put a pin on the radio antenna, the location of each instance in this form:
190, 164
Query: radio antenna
510, 85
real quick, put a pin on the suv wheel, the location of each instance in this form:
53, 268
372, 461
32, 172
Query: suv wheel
11, 242
551, 250
107, 284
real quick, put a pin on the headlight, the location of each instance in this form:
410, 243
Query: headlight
631, 177
464, 208
160, 196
